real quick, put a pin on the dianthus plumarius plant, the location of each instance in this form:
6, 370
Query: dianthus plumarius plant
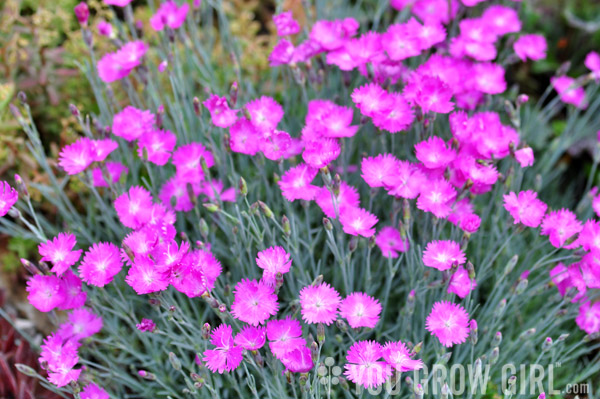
366, 221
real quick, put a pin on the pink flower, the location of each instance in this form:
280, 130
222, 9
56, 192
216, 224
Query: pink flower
333, 205
254, 302
443, 254
101, 263
400, 42
525, 207
501, 19
131, 123
332, 35
169, 14
146, 325
284, 336
178, 194
82, 323
144, 277
319, 304
216, 191
156, 146
434, 153
102, 148
489, 78
117, 65
531, 47
320, 153
105, 28
360, 309
364, 365
295, 183
82, 13
470, 223
327, 119
265, 113
134, 206
115, 171
372, 99
560, 226
431, 94
120, 3
273, 260
524, 156
282, 53
406, 181
76, 157
244, 137
60, 252
561, 278
437, 198
45, 292
93, 391
298, 360
276, 146
460, 283
358, 221
379, 170
390, 242
187, 161
226, 356
589, 238
8, 197
220, 113
396, 116
286, 24
435, 11
592, 62
71, 286
449, 322
589, 317
569, 90
251, 338
196, 274
398, 356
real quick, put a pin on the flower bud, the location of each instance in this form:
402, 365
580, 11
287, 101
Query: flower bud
511, 265
205, 331
497, 339
212, 208
418, 347
444, 391
410, 302
327, 224
314, 351
30, 267
287, 228
21, 187
174, 361
471, 270
197, 107
444, 358
82, 13
343, 383
259, 359
321, 332
473, 332
406, 211
353, 244
266, 210
547, 344
494, 355
562, 337
527, 334
14, 213
318, 280
243, 187
419, 392
24, 369
222, 308
233, 93
341, 324
521, 286
146, 375
22, 97
203, 228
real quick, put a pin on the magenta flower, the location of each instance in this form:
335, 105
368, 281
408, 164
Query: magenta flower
569, 90
82, 13
102, 148
144, 277
390, 242
101, 263
358, 222
215, 190
443, 254
372, 99
276, 146
524, 156
449, 322
265, 114
105, 28
8, 197
134, 206
169, 15
254, 302
282, 53
119, 3
360, 310
560, 277
156, 146
333, 205
298, 360
115, 171
131, 123
489, 78
376, 171
45, 292
460, 283
398, 356
319, 303
76, 157
74, 297
244, 137
400, 42
273, 260
434, 153
364, 365
286, 24
175, 194
187, 161
470, 223
226, 356
332, 35
501, 19
431, 94
284, 336
560, 226
320, 153
295, 183
589, 237
396, 116
525, 208
437, 198
117, 65
82, 323
220, 113
251, 338
531, 47
435, 11
195, 274
592, 62
146, 325
60, 252
93, 391
327, 119
589, 317
406, 181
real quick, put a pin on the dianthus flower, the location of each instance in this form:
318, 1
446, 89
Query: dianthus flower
525, 207
560, 226
569, 90
400, 42
398, 356
371, 99
364, 365
119, 3
437, 198
524, 156
93, 391
560, 277
443, 254
592, 62
376, 171
186, 159
319, 153
286, 24
76, 157
273, 260
105, 28
101, 263
284, 336
102, 148
531, 47
226, 356
169, 14
358, 221
589, 237
216, 190
435, 11
220, 113
589, 317
74, 297
360, 310
117, 65
501, 19
295, 183
298, 360
59, 251
133, 207
276, 146
8, 197
332, 35
60, 355
347, 197
178, 194
434, 153
431, 94
244, 137
460, 283
390, 242
265, 113
146, 325
449, 322
131, 123
282, 53
45, 292
396, 116
489, 78
254, 302
82, 323
406, 181
195, 274
141, 242
251, 338
156, 146
319, 303
144, 277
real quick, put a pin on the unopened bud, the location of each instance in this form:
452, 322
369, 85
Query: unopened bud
494, 355
341, 324
521, 286
318, 280
259, 359
14, 213
410, 302
30, 267
353, 244
205, 331
511, 265
444, 391
203, 228
174, 361
547, 344
321, 332
418, 347
146, 375
444, 358
287, 228
327, 224
501, 306
314, 351
473, 332
497, 339
233, 93
562, 337
243, 187
212, 208
266, 210
527, 334
471, 270
24, 369
419, 391
197, 108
